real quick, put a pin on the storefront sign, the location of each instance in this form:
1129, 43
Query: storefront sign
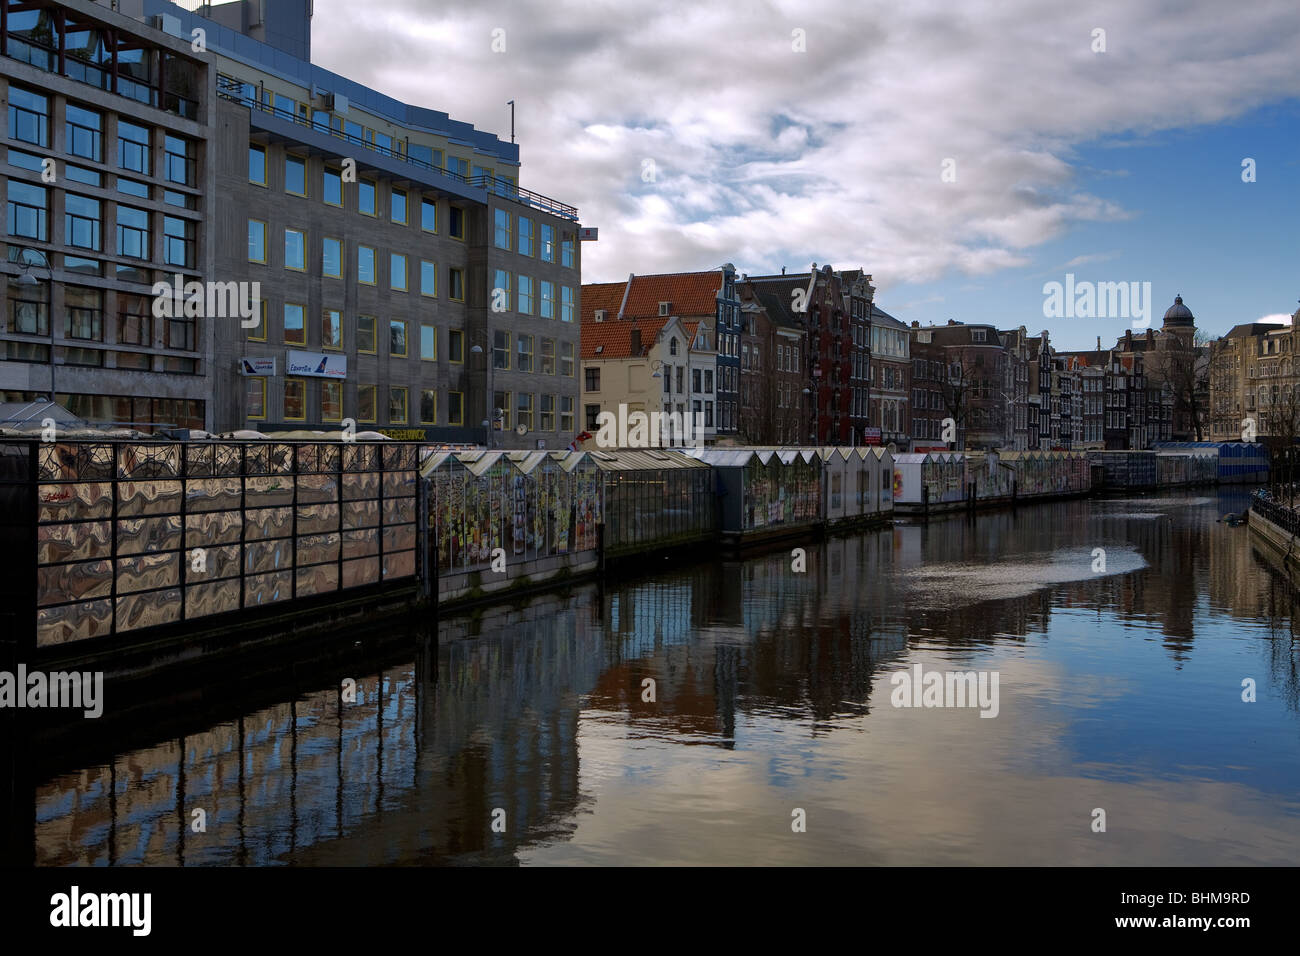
316, 364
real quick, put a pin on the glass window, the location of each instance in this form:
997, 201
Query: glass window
566, 413
133, 233
254, 396
458, 166
456, 284
397, 338
429, 215
84, 132
295, 175
366, 197
331, 329
27, 216
256, 241
428, 343
332, 187
547, 423
455, 346
525, 303
501, 349
397, 272
332, 258
455, 408
365, 403
501, 291
295, 399
132, 188
258, 332
331, 401
428, 406
525, 236
548, 243
566, 303
548, 357
501, 400
178, 160
456, 222
29, 117
295, 250
397, 405
398, 206
524, 353
366, 333
502, 232
548, 300
566, 253
524, 410
365, 265
428, 277
295, 330
257, 164
178, 242
566, 359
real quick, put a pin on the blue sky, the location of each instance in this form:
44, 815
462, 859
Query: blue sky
787, 132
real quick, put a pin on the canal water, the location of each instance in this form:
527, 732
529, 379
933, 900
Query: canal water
531, 734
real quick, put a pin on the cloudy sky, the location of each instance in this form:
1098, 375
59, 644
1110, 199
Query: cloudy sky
782, 134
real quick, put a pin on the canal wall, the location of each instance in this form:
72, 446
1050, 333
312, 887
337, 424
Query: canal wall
1275, 528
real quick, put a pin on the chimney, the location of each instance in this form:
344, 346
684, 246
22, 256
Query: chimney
783, 270
952, 321
916, 324
1128, 340
1099, 343
1151, 336
636, 341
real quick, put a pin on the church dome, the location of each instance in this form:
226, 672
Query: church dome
1179, 314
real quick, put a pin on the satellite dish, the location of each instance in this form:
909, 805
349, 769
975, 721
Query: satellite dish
521, 430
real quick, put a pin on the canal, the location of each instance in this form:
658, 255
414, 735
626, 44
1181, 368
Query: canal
743, 713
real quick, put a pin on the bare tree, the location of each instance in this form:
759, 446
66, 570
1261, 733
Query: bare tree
1184, 368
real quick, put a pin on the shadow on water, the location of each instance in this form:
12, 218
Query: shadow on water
495, 740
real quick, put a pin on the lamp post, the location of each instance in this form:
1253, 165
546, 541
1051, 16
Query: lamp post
490, 415
817, 431
27, 280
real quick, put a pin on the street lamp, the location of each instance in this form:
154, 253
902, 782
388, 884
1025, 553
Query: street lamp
27, 280
492, 416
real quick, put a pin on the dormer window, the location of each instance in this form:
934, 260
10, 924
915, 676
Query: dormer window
665, 308
601, 315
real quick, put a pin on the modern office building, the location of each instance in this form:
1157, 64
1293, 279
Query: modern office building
386, 265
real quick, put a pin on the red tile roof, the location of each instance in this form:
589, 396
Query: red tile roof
616, 337
690, 294
600, 295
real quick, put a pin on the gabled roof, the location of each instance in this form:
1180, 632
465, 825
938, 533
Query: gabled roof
880, 317
689, 294
612, 339
600, 295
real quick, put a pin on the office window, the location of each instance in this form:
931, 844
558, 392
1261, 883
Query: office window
332, 187
331, 329
257, 164
397, 272
548, 300
591, 379
365, 265
428, 278
525, 236
254, 396
524, 353
85, 314
81, 222
365, 403
29, 117
366, 334
130, 187
548, 357
566, 303
258, 332
295, 250
566, 359
456, 284
295, 175
331, 401
455, 408
566, 413
295, 328
455, 346
295, 399
83, 131
548, 243
501, 291
525, 303
178, 242
332, 258
397, 207
428, 343
397, 405
502, 233
566, 253
179, 160
256, 240
547, 413
524, 409
428, 215
456, 222
397, 337
501, 405
366, 197
458, 166
428, 406
501, 349
133, 233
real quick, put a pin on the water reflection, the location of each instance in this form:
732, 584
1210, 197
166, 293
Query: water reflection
1121, 688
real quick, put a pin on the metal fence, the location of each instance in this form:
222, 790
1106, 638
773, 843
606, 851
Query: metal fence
115, 536
1282, 516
